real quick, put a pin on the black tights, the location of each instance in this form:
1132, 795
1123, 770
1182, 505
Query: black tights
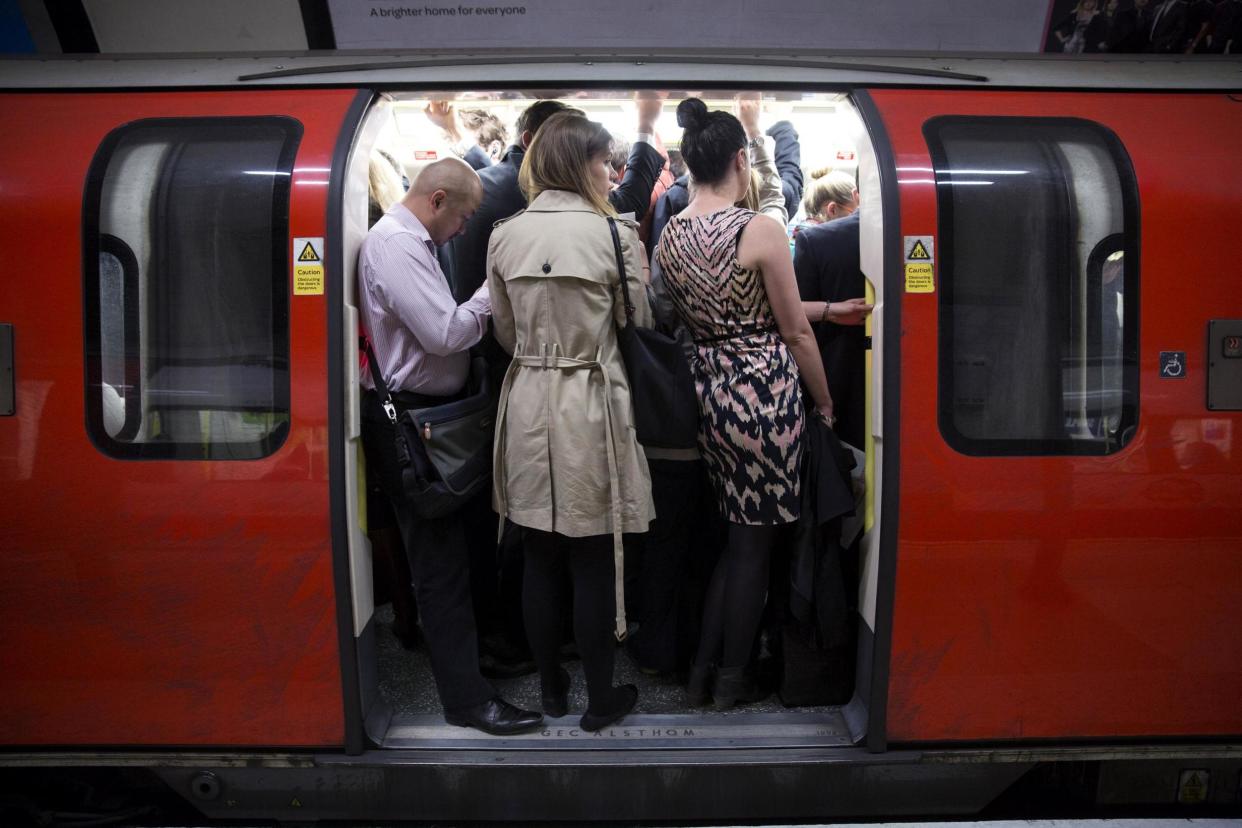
557, 566
735, 596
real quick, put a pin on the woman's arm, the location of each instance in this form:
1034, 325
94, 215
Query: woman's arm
771, 196
763, 246
771, 193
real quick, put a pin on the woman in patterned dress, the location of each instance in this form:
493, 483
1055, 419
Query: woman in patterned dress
729, 274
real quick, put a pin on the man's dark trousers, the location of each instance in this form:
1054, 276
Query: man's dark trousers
439, 566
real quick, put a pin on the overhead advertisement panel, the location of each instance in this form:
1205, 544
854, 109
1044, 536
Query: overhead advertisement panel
906, 25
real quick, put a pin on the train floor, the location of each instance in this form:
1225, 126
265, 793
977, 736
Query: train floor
661, 718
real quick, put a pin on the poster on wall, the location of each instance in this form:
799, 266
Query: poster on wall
867, 25
1166, 27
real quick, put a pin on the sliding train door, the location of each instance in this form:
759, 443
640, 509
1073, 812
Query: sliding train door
1063, 567
167, 572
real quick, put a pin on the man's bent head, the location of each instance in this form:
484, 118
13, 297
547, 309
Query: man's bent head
443, 196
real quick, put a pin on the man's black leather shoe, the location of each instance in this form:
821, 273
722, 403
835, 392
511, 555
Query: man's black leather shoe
497, 717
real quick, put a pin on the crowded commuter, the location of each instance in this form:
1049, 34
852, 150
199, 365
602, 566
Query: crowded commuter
672, 567
826, 265
568, 469
470, 136
385, 187
489, 132
497, 572
420, 338
830, 195
502, 197
728, 272
784, 151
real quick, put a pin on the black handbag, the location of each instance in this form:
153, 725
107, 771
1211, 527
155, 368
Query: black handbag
666, 406
445, 451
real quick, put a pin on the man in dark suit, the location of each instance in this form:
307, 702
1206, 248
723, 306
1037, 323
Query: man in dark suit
826, 266
467, 254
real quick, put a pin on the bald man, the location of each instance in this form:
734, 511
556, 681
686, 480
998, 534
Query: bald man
421, 338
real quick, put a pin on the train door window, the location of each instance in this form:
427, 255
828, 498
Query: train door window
187, 310
1038, 250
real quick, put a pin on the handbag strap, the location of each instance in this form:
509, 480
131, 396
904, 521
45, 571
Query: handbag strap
390, 408
625, 288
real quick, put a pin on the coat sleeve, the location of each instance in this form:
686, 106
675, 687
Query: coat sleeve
805, 271
633, 194
673, 201
788, 163
477, 158
771, 197
504, 328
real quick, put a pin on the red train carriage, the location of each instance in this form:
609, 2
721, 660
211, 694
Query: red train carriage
1051, 548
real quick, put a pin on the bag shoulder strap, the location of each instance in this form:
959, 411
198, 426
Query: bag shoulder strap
390, 407
625, 287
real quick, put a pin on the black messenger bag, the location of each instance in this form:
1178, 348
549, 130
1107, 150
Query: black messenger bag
445, 451
666, 406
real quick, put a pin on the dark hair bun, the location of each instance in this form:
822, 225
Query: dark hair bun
709, 140
692, 114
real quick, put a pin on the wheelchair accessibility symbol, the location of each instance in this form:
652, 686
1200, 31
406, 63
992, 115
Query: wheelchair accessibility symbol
1172, 364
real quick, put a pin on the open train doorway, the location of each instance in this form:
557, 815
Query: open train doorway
814, 651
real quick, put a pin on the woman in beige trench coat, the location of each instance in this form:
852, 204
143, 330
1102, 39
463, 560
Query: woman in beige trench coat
567, 465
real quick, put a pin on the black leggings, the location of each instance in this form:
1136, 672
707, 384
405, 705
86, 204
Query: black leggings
561, 570
735, 596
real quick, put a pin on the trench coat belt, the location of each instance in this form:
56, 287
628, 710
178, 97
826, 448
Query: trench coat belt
548, 359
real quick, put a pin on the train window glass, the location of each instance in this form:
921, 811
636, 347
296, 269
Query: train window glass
1038, 269
187, 317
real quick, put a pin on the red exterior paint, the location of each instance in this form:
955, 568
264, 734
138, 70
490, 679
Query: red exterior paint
1064, 597
155, 602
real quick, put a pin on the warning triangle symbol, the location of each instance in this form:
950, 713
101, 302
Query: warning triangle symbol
919, 252
308, 254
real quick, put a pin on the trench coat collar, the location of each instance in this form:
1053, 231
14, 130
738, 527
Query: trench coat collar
560, 201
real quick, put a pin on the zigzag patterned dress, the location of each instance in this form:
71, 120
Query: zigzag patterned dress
749, 399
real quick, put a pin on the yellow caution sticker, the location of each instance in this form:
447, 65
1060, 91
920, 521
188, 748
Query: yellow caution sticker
920, 278
1192, 788
308, 266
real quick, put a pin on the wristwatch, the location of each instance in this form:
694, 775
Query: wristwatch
755, 143
823, 317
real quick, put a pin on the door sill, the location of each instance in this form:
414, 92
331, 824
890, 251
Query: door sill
694, 731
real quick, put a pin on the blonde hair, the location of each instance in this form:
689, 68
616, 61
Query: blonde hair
751, 200
560, 156
384, 180
827, 186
